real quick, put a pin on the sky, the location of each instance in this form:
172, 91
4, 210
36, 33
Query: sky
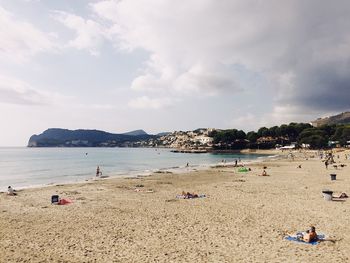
162, 65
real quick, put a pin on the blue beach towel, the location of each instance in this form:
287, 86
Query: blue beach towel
295, 239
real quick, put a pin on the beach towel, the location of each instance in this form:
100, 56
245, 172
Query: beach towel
65, 201
243, 169
294, 238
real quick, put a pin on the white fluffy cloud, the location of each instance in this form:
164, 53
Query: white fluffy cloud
187, 51
89, 34
20, 40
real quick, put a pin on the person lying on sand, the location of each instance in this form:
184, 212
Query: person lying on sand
342, 195
188, 195
310, 235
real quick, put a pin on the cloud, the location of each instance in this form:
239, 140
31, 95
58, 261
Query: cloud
145, 102
20, 40
13, 91
247, 122
181, 58
301, 47
89, 34
17, 92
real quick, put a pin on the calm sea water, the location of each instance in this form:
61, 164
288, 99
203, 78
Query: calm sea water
28, 167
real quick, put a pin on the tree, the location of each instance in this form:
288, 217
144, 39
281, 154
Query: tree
274, 131
263, 132
283, 130
240, 135
337, 135
299, 127
315, 137
252, 136
315, 141
328, 129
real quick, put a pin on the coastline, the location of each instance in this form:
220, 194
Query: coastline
82, 174
243, 218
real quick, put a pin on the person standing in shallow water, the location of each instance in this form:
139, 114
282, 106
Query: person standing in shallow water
98, 171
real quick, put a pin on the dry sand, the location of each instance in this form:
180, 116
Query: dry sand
244, 217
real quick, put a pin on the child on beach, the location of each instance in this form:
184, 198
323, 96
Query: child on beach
98, 173
11, 191
264, 173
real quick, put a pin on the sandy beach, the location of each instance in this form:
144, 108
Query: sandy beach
243, 218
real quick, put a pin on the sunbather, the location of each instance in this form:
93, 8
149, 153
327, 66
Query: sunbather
188, 195
310, 235
342, 195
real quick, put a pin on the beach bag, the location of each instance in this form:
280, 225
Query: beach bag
55, 199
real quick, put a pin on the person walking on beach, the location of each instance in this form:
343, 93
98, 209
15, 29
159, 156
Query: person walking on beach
98, 171
326, 164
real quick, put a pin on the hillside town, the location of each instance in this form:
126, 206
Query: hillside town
193, 141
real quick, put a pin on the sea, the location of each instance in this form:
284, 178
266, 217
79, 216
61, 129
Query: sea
23, 167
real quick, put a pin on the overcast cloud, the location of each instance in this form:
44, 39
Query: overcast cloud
302, 47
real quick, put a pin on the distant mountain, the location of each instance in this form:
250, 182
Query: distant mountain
342, 118
163, 133
56, 137
136, 133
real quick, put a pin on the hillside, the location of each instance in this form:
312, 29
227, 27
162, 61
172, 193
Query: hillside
135, 133
56, 137
342, 118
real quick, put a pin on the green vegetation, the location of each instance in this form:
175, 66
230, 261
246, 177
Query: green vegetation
266, 138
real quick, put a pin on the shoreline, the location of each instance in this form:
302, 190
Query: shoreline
243, 218
141, 173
